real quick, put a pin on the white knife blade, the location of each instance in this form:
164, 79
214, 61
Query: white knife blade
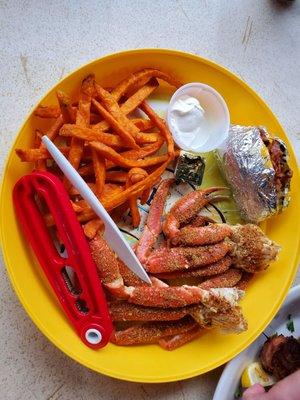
112, 233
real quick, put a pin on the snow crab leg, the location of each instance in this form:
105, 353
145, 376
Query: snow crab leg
175, 341
150, 333
208, 270
172, 259
159, 294
153, 225
123, 311
186, 208
227, 279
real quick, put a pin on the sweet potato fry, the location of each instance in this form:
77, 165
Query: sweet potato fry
122, 131
82, 120
114, 200
138, 97
110, 190
89, 134
135, 175
142, 124
138, 154
54, 129
130, 154
139, 79
106, 138
47, 111
145, 195
144, 138
86, 170
161, 126
40, 165
92, 227
76, 207
133, 102
54, 112
87, 88
99, 168
67, 110
74, 192
112, 155
135, 189
33, 155
113, 107
116, 176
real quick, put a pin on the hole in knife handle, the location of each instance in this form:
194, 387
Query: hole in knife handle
81, 306
45, 211
71, 280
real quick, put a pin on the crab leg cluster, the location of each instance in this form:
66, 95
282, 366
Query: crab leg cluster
221, 258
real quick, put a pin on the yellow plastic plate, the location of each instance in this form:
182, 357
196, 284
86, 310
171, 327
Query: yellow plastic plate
266, 293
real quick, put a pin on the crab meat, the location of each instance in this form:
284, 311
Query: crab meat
185, 209
227, 279
208, 270
172, 259
197, 236
153, 225
150, 332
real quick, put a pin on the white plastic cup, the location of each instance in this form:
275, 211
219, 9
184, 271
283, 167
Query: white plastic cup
215, 112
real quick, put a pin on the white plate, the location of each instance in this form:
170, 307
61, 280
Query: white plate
230, 378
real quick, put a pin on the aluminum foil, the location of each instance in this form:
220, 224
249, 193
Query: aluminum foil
247, 167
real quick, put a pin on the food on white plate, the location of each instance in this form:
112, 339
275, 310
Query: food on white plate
255, 373
256, 167
280, 356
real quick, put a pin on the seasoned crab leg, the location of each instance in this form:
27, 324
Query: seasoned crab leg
150, 333
227, 320
186, 208
181, 296
130, 279
153, 225
156, 296
197, 236
173, 342
166, 259
201, 220
109, 270
123, 311
244, 281
208, 270
252, 250
225, 280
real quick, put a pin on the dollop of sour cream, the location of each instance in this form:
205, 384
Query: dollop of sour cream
189, 123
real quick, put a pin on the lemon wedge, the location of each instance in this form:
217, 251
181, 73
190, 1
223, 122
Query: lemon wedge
254, 373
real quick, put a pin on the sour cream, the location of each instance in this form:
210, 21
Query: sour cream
187, 118
198, 118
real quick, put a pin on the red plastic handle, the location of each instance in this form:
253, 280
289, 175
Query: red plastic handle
83, 301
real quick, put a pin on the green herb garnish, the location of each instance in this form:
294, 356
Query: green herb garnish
238, 393
290, 326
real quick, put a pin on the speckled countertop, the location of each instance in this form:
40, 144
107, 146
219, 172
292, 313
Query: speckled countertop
42, 41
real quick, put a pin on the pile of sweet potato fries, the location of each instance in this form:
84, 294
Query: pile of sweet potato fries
114, 151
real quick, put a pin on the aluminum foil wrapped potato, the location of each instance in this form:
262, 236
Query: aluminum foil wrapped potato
255, 166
